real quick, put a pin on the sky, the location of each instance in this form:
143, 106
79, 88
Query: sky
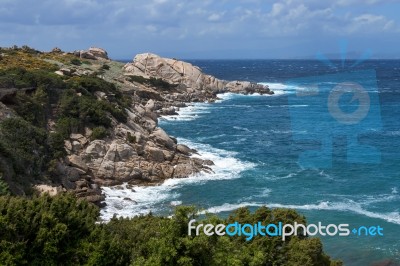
205, 29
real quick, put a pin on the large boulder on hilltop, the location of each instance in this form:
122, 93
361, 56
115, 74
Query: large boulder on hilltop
93, 53
98, 52
87, 55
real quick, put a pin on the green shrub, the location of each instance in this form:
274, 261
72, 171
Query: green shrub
56, 143
159, 83
99, 133
90, 84
130, 138
33, 108
155, 82
88, 110
22, 78
45, 230
67, 125
138, 79
25, 144
105, 67
76, 61
4, 189
52, 230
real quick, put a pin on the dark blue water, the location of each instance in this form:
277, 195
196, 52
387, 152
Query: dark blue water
268, 134
293, 150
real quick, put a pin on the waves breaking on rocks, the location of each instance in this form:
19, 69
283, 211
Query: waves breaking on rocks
131, 200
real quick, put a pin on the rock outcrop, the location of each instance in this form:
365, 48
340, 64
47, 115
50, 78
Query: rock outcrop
137, 151
190, 78
98, 52
93, 53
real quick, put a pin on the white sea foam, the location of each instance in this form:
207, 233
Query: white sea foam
191, 112
131, 201
279, 88
231, 95
290, 175
196, 110
225, 96
242, 128
176, 203
344, 206
283, 89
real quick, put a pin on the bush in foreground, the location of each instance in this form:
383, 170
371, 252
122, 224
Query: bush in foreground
62, 230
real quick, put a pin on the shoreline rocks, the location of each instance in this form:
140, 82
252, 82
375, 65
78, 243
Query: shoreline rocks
139, 152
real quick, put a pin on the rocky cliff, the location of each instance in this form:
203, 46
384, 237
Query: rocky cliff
190, 79
133, 148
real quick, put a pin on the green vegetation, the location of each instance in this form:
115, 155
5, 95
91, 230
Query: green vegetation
24, 57
99, 133
23, 143
49, 109
62, 230
19, 77
4, 190
76, 61
155, 82
105, 67
130, 138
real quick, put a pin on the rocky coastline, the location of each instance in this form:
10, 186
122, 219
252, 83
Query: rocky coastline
138, 151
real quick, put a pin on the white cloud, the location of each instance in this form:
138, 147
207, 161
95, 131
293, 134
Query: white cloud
177, 22
362, 2
214, 17
372, 23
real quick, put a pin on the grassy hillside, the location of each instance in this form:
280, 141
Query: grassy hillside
48, 108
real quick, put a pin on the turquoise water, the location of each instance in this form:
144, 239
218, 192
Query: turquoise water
257, 142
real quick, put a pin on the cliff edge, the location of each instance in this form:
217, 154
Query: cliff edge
98, 119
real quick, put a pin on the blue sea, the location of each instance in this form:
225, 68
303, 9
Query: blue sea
294, 149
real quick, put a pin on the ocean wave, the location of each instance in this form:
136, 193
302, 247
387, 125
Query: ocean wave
212, 137
276, 177
287, 105
225, 96
242, 128
191, 112
349, 206
284, 89
392, 133
280, 89
129, 201
176, 203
